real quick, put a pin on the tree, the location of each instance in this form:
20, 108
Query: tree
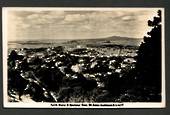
148, 64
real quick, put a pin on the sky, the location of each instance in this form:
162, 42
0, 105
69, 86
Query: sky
35, 23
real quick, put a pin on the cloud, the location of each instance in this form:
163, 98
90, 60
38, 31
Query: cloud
73, 19
127, 18
32, 16
79, 24
24, 26
44, 18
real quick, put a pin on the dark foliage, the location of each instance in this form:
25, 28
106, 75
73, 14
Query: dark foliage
148, 66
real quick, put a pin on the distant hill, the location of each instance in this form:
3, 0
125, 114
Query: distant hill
108, 41
114, 40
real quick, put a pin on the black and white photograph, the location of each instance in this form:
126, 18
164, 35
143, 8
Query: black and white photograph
81, 57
